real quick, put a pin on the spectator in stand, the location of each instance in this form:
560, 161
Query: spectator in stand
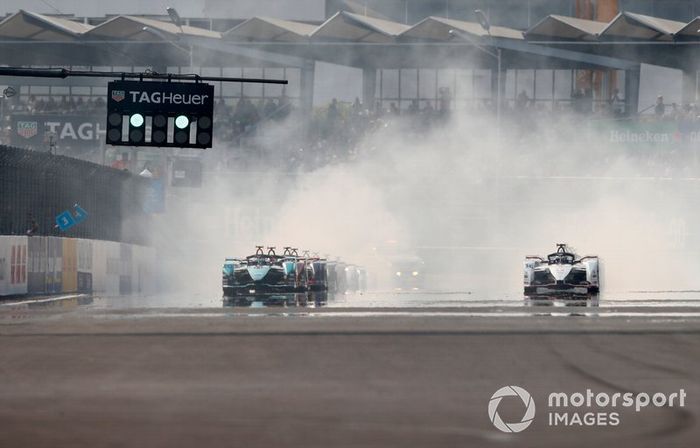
660, 107
122, 163
522, 101
675, 112
357, 107
577, 100
333, 114
445, 100
587, 102
31, 105
270, 108
427, 114
51, 105
414, 108
395, 109
378, 109
616, 105
285, 106
253, 116
33, 228
63, 106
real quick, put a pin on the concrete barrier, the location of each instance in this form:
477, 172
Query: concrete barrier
53, 265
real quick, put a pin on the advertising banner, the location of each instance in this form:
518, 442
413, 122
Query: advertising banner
66, 131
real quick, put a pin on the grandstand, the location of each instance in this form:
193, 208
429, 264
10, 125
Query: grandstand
584, 63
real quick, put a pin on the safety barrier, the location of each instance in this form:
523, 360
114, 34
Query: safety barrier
50, 265
37, 187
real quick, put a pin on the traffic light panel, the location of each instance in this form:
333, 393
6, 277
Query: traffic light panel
165, 114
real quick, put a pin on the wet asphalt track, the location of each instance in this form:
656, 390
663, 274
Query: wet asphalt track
394, 370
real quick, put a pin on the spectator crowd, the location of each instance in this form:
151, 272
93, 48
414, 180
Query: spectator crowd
267, 130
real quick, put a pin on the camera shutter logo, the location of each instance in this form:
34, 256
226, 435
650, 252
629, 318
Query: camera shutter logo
118, 95
511, 391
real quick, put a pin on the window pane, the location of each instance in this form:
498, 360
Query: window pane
409, 83
426, 84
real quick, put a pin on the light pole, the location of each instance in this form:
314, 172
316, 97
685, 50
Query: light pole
494, 53
167, 39
177, 21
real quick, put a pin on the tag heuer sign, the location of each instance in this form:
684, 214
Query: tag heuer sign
27, 129
117, 95
162, 114
150, 96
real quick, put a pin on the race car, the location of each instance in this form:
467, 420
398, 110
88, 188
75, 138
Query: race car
266, 273
407, 273
260, 273
561, 272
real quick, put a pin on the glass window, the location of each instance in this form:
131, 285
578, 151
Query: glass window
273, 90
250, 89
390, 84
464, 86
562, 84
293, 89
526, 82
482, 83
409, 83
510, 87
213, 71
232, 89
426, 84
543, 84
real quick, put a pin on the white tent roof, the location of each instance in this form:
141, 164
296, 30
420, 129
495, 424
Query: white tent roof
564, 27
438, 28
32, 26
637, 26
131, 27
267, 29
353, 27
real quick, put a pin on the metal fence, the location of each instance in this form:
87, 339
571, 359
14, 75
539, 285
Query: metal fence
35, 187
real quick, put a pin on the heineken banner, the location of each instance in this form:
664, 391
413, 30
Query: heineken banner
67, 131
646, 134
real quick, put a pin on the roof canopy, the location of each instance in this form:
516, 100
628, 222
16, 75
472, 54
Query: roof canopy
32, 26
627, 25
346, 26
351, 39
132, 28
266, 29
438, 29
563, 27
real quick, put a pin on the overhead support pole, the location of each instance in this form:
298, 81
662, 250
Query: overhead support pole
498, 84
306, 88
369, 87
632, 78
690, 86
63, 73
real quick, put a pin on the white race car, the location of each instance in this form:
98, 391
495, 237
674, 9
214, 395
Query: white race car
562, 272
